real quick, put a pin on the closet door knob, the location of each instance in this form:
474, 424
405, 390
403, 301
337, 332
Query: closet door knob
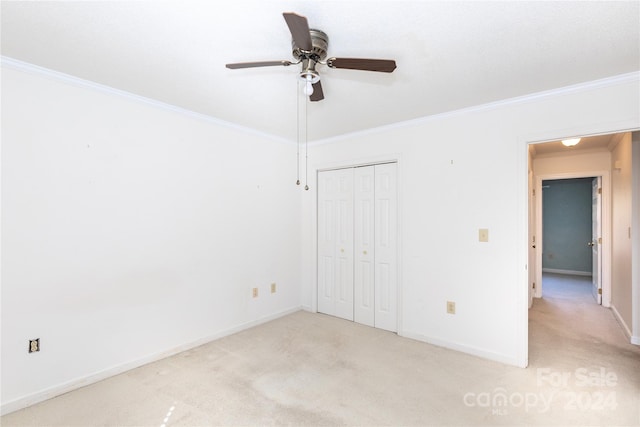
364, 252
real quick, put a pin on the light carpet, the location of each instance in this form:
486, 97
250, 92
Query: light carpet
313, 369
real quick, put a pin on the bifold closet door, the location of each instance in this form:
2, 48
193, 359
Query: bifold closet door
335, 243
357, 244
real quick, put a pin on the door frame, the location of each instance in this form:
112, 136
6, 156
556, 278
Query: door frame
605, 248
596, 239
322, 167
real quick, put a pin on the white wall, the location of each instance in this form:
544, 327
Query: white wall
131, 231
458, 173
621, 181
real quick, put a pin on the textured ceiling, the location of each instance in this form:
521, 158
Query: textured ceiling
450, 55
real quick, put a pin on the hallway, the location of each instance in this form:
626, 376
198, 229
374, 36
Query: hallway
569, 331
568, 311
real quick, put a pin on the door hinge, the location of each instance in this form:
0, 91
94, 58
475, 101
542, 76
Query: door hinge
534, 192
534, 285
599, 240
599, 190
600, 291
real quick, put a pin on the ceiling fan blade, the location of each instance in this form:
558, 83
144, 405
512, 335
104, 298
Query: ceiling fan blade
299, 28
238, 65
382, 65
317, 94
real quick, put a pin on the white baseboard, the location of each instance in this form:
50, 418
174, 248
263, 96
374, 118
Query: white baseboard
622, 323
474, 351
32, 399
635, 340
571, 272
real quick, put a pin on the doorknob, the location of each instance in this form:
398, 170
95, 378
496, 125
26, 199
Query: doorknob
533, 246
590, 243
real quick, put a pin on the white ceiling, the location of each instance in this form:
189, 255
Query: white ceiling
450, 55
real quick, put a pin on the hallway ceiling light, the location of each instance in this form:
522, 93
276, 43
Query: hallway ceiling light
570, 142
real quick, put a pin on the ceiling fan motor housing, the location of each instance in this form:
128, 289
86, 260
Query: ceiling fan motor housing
320, 44
309, 59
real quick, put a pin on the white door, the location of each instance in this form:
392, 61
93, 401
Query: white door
357, 245
596, 233
364, 236
335, 243
386, 235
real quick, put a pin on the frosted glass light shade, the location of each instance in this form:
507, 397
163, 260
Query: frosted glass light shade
570, 142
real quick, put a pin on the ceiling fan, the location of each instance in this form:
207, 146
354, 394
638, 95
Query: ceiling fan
310, 49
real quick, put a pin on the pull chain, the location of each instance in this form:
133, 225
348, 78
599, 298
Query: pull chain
298, 132
306, 145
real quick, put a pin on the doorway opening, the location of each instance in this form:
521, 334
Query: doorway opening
572, 237
609, 162
540, 258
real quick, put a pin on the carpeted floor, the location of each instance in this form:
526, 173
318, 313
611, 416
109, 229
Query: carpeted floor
312, 369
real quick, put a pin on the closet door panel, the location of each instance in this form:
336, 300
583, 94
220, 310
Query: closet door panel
385, 272
335, 243
364, 253
326, 243
344, 248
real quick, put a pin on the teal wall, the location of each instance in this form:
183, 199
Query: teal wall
566, 219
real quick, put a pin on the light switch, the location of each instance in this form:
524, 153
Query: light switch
451, 307
483, 235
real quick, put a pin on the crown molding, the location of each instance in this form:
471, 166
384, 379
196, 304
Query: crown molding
519, 100
88, 84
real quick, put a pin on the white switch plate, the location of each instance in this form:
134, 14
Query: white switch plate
483, 235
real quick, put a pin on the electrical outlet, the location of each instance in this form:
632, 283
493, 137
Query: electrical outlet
34, 345
451, 307
255, 292
273, 288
